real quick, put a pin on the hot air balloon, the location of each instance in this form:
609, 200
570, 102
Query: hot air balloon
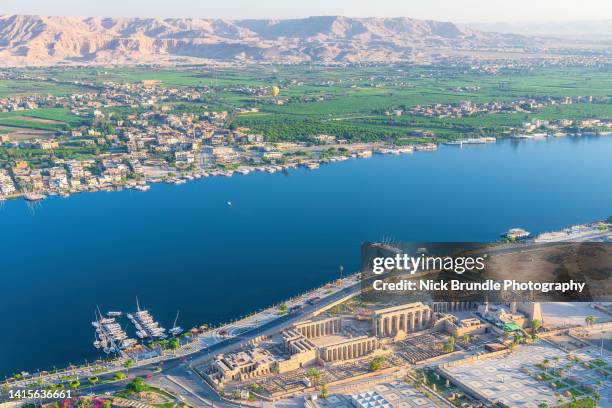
275, 91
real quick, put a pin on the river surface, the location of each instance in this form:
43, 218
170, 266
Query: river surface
183, 248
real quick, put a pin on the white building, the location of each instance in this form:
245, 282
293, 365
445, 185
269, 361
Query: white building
7, 186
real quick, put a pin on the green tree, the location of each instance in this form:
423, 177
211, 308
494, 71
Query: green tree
137, 385
324, 390
590, 320
535, 326
313, 375
545, 364
93, 380
174, 344
377, 363
449, 347
120, 376
75, 384
128, 364
282, 309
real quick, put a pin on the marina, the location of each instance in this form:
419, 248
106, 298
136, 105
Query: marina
110, 336
145, 325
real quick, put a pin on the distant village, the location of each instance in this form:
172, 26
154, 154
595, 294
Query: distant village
150, 142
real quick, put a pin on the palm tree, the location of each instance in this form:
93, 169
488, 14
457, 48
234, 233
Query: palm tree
545, 365
590, 320
313, 375
449, 347
324, 390
535, 326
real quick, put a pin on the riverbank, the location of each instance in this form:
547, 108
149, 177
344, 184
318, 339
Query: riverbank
154, 174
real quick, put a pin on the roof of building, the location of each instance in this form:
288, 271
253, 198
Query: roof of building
370, 399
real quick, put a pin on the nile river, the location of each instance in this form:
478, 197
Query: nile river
183, 248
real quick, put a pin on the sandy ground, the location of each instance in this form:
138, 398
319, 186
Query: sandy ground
570, 313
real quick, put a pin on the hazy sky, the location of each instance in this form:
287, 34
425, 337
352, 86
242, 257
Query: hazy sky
448, 10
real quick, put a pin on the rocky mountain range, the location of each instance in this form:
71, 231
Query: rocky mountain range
27, 40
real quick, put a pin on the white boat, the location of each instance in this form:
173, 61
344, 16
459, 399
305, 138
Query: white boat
113, 314
34, 197
175, 330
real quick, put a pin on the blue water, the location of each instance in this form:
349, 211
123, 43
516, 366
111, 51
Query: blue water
182, 247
